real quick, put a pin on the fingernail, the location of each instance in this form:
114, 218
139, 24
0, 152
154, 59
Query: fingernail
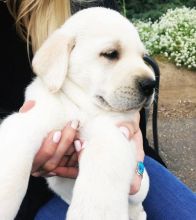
27, 106
124, 131
74, 124
56, 137
36, 174
78, 145
51, 174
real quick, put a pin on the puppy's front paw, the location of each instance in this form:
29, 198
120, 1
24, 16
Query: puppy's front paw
142, 216
136, 212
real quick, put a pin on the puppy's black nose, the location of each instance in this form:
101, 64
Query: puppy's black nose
147, 86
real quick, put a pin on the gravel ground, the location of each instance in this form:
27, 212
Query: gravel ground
177, 147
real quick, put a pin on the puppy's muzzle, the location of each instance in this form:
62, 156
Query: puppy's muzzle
126, 98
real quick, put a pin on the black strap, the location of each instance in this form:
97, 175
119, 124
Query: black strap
156, 70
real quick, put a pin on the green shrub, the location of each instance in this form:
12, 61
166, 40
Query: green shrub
153, 9
173, 36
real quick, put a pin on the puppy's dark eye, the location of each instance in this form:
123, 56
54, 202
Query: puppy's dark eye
111, 54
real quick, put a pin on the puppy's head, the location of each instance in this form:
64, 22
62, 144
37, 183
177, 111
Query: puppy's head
101, 52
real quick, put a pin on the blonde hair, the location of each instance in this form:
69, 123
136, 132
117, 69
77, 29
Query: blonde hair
37, 19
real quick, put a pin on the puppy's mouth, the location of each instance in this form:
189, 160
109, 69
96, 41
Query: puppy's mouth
101, 102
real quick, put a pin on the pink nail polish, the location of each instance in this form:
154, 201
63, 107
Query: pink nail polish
36, 174
124, 131
77, 145
56, 137
51, 174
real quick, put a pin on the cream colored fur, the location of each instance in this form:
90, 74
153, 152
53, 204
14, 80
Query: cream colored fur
72, 76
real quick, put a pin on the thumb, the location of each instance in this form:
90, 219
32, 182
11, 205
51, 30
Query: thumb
28, 105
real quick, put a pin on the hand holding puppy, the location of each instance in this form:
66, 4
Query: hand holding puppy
57, 155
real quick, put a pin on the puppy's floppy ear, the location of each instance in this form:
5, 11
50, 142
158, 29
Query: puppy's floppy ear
50, 62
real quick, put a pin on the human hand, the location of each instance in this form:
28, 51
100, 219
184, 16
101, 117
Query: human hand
50, 160
57, 155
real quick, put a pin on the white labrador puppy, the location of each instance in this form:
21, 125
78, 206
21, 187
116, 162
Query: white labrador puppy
91, 69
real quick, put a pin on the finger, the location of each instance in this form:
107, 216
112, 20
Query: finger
66, 158
66, 141
137, 138
36, 174
127, 132
67, 161
79, 146
135, 187
73, 161
63, 161
77, 137
70, 150
27, 106
67, 172
47, 150
128, 128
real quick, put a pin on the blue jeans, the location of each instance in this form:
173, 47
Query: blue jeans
168, 198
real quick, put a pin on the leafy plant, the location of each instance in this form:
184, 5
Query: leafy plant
173, 36
153, 9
